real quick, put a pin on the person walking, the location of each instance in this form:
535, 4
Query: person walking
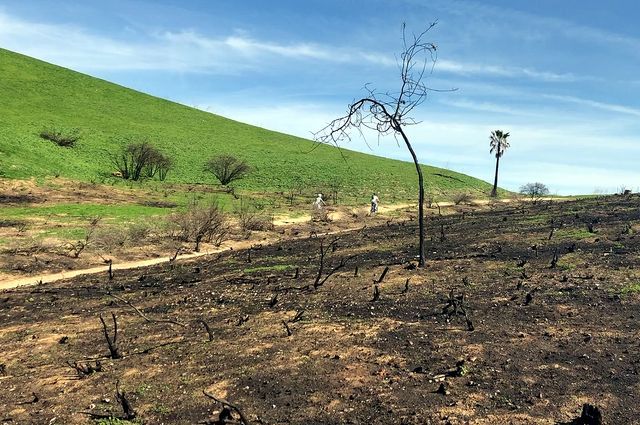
374, 204
319, 203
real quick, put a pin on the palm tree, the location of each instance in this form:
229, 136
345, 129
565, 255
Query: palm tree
499, 144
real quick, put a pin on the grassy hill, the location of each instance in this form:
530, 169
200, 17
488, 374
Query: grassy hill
37, 95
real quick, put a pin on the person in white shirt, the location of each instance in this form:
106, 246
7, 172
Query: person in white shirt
319, 202
374, 204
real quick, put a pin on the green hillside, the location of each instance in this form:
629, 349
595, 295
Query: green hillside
37, 95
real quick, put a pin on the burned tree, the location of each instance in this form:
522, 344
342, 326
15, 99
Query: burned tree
388, 113
75, 249
319, 280
129, 413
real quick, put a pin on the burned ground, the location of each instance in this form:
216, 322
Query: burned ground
543, 302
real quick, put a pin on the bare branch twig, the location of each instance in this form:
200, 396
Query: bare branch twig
243, 418
148, 319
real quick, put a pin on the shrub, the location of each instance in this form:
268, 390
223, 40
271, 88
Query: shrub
461, 198
63, 138
75, 249
320, 214
429, 199
200, 223
227, 168
158, 164
159, 204
139, 160
250, 218
139, 231
109, 239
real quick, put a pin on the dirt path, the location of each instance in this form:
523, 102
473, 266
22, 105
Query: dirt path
281, 221
53, 277
235, 245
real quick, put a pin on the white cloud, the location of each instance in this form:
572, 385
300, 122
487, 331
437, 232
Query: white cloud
611, 107
183, 51
189, 51
73, 47
463, 68
482, 106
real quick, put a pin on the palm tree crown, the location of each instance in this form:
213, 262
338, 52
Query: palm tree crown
498, 142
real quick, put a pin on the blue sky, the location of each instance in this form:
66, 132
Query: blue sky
561, 76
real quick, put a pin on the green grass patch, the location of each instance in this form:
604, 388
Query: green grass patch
67, 212
275, 268
632, 288
537, 219
565, 267
570, 261
142, 389
572, 234
65, 233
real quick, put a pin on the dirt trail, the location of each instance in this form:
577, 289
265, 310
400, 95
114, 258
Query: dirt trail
281, 221
53, 277
284, 220
235, 245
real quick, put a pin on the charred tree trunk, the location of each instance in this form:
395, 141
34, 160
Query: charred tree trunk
114, 352
421, 256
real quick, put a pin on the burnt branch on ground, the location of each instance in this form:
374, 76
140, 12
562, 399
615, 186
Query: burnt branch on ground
376, 293
225, 403
148, 319
242, 320
109, 262
456, 306
297, 317
590, 415
85, 369
121, 397
34, 400
554, 260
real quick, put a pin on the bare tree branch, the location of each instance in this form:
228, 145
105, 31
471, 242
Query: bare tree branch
387, 113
